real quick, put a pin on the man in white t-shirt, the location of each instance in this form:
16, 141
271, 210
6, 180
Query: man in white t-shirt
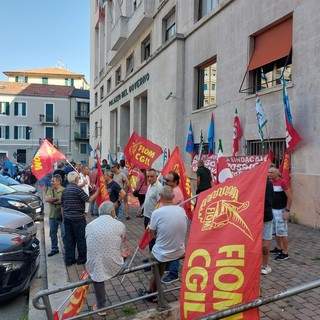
84, 182
168, 226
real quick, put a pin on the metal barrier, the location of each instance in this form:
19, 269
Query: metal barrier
261, 301
44, 294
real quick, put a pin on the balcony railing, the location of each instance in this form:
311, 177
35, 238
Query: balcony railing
81, 115
44, 119
81, 136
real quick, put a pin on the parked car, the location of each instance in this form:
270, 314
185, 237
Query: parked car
19, 261
14, 184
14, 219
27, 203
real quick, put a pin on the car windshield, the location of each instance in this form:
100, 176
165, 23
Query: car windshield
5, 189
8, 181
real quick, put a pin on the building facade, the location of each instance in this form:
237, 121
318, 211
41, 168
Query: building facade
157, 64
32, 111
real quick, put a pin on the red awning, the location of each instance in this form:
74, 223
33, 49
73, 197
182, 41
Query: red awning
271, 45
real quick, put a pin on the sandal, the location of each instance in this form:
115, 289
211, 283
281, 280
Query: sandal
142, 292
101, 313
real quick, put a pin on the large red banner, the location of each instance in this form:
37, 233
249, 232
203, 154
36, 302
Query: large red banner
46, 156
175, 163
104, 195
223, 257
236, 164
141, 152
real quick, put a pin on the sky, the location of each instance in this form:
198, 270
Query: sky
45, 34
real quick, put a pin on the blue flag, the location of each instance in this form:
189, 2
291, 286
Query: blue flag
110, 158
190, 141
11, 169
286, 101
90, 149
211, 137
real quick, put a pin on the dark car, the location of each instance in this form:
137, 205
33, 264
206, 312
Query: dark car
19, 261
27, 203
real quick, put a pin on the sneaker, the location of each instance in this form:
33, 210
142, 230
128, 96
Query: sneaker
52, 253
282, 256
169, 278
276, 251
266, 270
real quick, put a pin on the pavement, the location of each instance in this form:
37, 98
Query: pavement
303, 266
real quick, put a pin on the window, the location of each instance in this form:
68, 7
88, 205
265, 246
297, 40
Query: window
83, 130
20, 109
96, 129
45, 80
21, 79
101, 92
49, 112
109, 85
83, 109
95, 99
170, 26
83, 148
49, 133
21, 133
118, 75
4, 132
69, 82
278, 147
5, 108
272, 56
207, 78
129, 64
145, 48
206, 6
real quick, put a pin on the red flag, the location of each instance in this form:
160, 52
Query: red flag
77, 299
141, 152
101, 12
223, 257
104, 195
292, 136
284, 168
270, 155
237, 133
176, 164
46, 156
145, 240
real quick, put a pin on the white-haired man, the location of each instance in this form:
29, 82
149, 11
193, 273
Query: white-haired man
105, 237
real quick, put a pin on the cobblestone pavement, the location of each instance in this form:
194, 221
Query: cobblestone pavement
302, 267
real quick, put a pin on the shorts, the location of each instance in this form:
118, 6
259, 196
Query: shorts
267, 230
163, 266
280, 227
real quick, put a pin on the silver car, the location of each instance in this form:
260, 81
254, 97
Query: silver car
14, 219
14, 184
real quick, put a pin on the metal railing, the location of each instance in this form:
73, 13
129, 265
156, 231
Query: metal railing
46, 305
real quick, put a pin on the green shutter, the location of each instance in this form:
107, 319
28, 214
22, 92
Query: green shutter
15, 132
26, 79
16, 108
7, 108
28, 133
17, 79
72, 82
24, 109
7, 133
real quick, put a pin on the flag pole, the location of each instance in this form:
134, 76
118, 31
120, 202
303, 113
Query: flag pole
185, 201
71, 165
129, 265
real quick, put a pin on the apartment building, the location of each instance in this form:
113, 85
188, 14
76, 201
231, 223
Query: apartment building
157, 64
32, 109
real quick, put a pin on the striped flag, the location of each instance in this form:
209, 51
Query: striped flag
261, 118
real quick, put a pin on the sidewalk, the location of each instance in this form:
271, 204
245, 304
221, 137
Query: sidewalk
302, 267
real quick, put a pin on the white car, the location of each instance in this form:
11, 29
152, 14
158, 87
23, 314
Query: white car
21, 187
14, 219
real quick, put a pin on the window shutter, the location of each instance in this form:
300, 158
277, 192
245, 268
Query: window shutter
7, 108
15, 132
72, 82
24, 109
28, 133
17, 79
7, 133
26, 79
16, 108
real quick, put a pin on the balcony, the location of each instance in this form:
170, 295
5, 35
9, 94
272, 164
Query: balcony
132, 29
81, 136
119, 33
81, 115
54, 142
48, 120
